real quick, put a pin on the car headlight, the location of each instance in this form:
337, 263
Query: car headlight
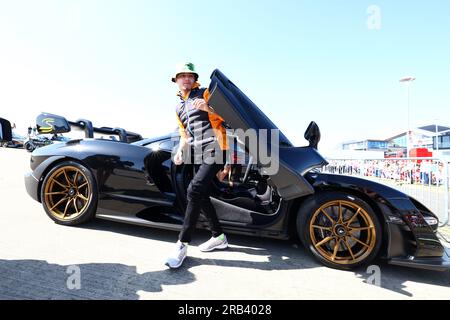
431, 220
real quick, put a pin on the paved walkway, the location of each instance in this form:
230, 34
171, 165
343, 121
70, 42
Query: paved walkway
105, 260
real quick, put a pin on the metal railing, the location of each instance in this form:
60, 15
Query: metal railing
425, 179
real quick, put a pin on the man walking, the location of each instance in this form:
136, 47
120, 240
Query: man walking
202, 128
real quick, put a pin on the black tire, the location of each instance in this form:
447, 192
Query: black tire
335, 244
80, 191
29, 146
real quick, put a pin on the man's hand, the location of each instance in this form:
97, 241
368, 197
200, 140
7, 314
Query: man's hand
201, 105
223, 173
178, 159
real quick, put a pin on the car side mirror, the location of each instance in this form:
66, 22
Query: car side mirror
51, 123
5, 130
312, 134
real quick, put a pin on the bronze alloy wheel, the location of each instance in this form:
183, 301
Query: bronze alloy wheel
67, 193
342, 232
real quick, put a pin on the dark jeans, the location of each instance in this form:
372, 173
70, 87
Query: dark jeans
198, 199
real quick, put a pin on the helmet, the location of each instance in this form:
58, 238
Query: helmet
187, 67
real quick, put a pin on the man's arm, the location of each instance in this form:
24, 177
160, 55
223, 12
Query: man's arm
203, 105
183, 137
182, 146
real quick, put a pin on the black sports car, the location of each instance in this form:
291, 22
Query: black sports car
343, 221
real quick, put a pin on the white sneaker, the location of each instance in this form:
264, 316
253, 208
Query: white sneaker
175, 260
266, 198
219, 242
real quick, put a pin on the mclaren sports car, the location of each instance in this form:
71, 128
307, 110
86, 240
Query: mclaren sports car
343, 221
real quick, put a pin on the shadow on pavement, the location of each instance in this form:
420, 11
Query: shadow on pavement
395, 278
34, 279
283, 255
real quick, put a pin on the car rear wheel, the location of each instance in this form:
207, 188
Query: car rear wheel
69, 194
340, 230
29, 146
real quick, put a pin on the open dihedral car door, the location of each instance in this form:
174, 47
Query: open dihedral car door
240, 112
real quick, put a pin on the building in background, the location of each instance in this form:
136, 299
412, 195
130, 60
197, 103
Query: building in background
426, 141
366, 145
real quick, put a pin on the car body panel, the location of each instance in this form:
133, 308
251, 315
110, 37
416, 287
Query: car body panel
241, 113
406, 232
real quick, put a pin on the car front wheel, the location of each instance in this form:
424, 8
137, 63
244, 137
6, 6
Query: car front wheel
339, 229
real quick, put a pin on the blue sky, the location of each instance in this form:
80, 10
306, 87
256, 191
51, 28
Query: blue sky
111, 61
